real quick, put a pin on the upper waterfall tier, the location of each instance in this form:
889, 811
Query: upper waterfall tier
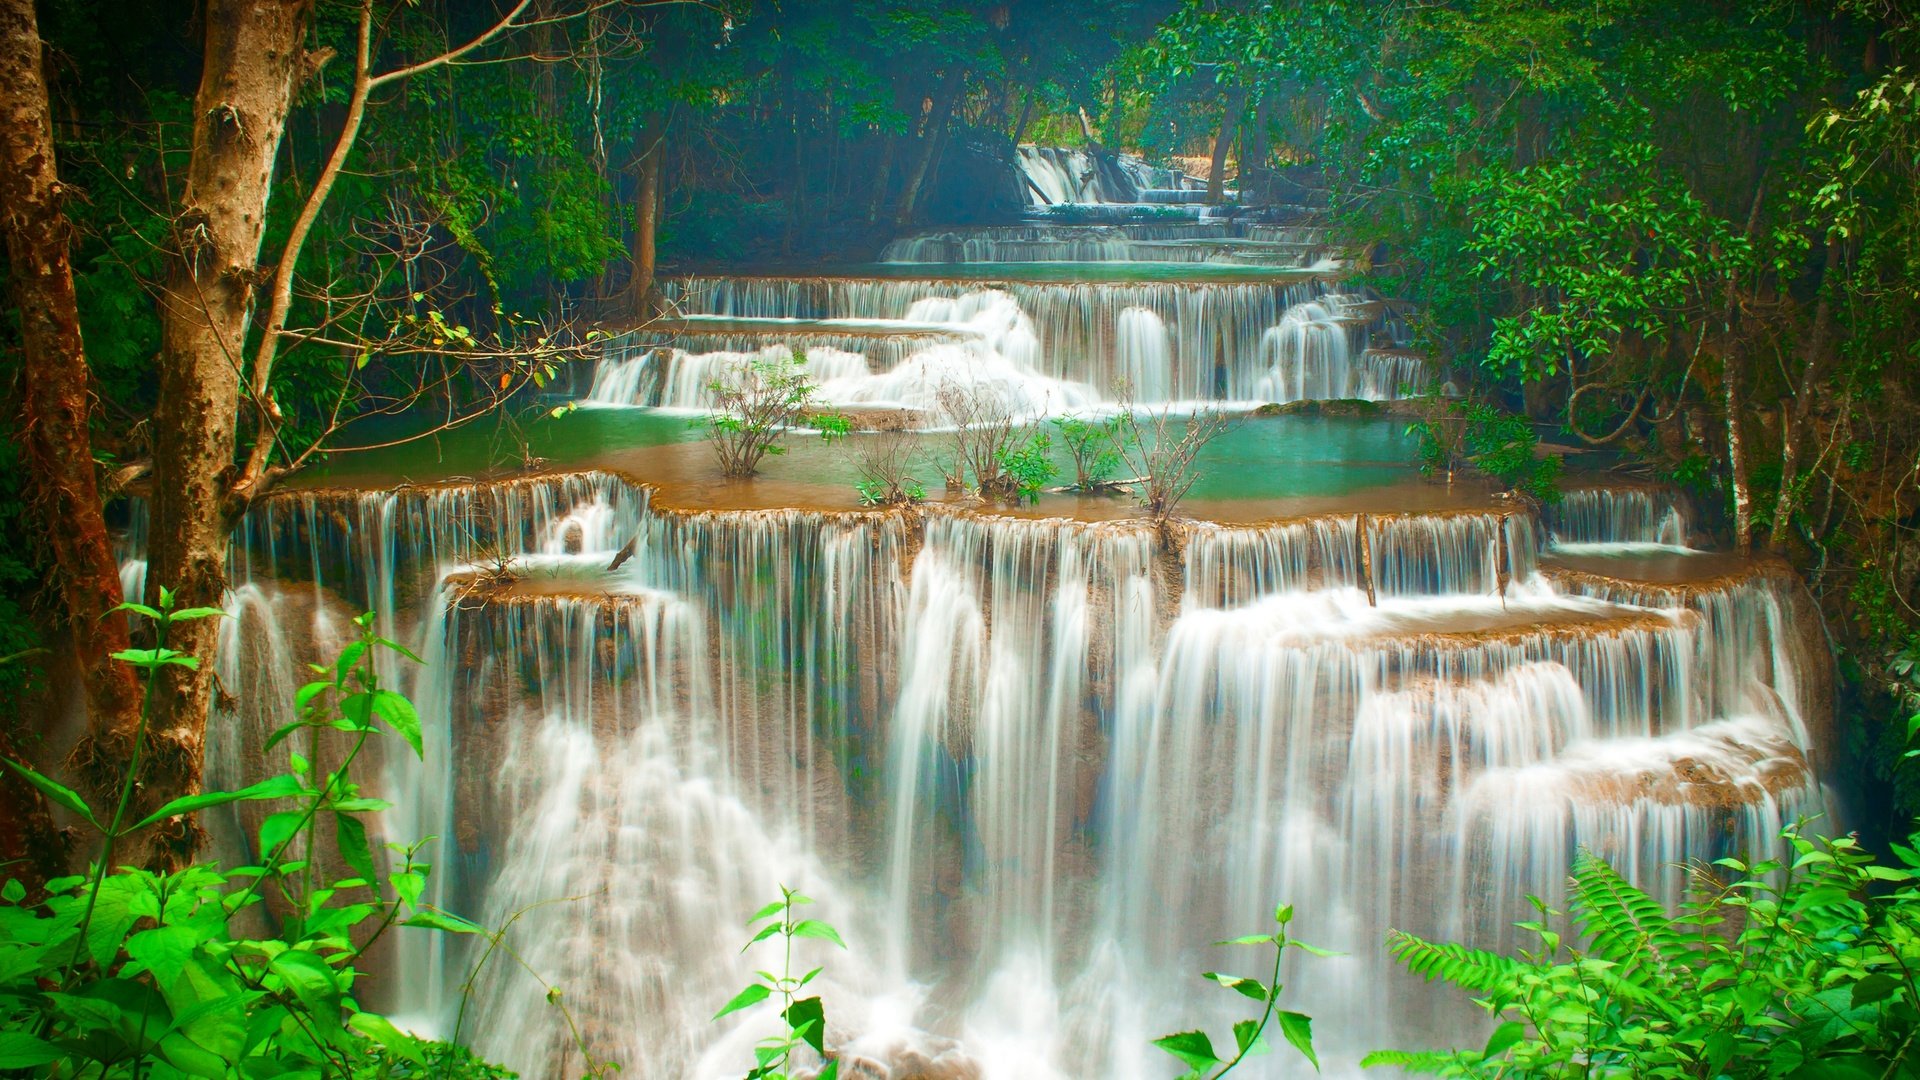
1218, 242
1055, 175
1058, 344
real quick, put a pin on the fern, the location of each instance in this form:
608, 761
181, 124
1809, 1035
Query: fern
1469, 969
1623, 924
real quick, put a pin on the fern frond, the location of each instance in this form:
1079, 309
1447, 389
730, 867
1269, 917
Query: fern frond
1623, 924
1469, 969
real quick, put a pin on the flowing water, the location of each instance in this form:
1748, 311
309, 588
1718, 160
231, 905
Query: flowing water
1030, 763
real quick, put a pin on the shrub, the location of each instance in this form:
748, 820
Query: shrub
1094, 447
128, 972
1163, 452
755, 404
1004, 459
883, 460
1800, 966
1500, 444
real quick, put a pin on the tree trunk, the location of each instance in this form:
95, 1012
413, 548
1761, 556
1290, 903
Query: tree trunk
937, 113
1222, 140
882, 176
1794, 424
252, 67
1026, 117
646, 217
53, 429
1737, 463
55, 383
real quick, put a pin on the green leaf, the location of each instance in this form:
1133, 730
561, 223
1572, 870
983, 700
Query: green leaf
1246, 1036
1252, 988
1298, 1028
1504, 1038
814, 928
277, 831
381, 1030
19, 1050
401, 716
279, 787
770, 910
197, 613
164, 950
1192, 1047
745, 999
435, 919
64, 796
350, 836
808, 1017
13, 892
1875, 987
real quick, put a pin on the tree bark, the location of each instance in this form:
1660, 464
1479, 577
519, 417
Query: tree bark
1812, 357
646, 216
1737, 463
251, 69
1222, 140
53, 429
55, 381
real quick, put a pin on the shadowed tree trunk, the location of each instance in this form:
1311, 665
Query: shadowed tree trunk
1793, 431
938, 111
55, 389
646, 215
253, 63
1222, 140
1737, 462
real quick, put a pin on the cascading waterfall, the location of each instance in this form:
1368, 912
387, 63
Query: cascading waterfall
1029, 766
950, 735
1237, 341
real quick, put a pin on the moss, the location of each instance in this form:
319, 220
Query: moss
1339, 407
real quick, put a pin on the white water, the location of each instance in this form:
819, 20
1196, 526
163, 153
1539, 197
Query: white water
1029, 767
1028, 774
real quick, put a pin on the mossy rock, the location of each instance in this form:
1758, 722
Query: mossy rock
1338, 407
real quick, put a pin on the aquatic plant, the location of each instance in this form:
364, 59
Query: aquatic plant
755, 404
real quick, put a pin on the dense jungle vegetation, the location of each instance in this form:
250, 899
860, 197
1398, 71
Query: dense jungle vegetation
243, 233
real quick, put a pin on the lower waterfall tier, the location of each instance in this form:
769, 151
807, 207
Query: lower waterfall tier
1031, 767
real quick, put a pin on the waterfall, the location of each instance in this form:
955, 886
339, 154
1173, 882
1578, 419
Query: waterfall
1030, 766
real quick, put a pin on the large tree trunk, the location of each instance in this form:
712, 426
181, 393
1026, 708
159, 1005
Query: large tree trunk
56, 404
646, 216
938, 111
253, 64
1793, 431
1222, 140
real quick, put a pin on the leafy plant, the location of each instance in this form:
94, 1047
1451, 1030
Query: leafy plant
1002, 459
1195, 1049
755, 404
805, 1018
883, 460
1798, 966
129, 972
1026, 467
1094, 447
1498, 444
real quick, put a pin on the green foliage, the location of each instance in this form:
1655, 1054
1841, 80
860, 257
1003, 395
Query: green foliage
1094, 446
1027, 466
1798, 966
1499, 444
130, 972
1195, 1049
755, 404
804, 1019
